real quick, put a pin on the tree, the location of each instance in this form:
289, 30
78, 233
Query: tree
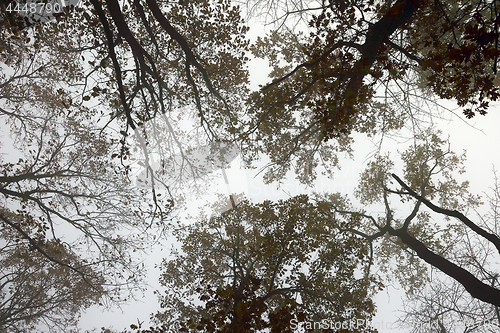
58, 175
62, 85
151, 65
326, 80
443, 304
65, 183
35, 292
168, 70
149, 77
263, 266
366, 67
428, 170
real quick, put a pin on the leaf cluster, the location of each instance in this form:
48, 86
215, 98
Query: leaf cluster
262, 265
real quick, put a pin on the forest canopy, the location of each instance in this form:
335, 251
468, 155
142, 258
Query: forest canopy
115, 115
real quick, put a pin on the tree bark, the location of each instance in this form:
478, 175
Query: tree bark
474, 227
376, 36
474, 286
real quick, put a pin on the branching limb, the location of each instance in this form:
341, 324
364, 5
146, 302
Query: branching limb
116, 65
474, 286
453, 213
35, 245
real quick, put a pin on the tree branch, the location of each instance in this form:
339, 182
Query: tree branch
35, 245
490, 237
475, 287
116, 65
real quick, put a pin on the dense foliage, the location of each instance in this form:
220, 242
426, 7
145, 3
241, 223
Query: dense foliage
262, 266
97, 93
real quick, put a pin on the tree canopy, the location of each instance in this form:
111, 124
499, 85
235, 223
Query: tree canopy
94, 94
368, 67
35, 292
263, 266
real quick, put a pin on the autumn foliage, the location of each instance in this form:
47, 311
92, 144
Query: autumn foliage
260, 266
107, 86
